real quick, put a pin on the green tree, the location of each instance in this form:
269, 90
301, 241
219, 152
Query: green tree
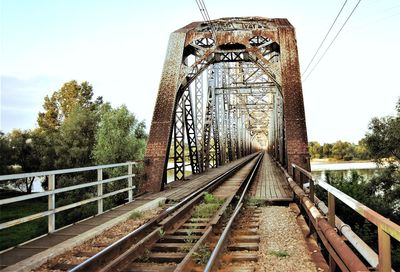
343, 150
75, 139
327, 150
62, 102
74, 100
383, 143
5, 151
25, 155
361, 150
120, 137
383, 137
315, 150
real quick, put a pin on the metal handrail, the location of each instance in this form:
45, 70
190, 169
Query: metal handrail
64, 171
52, 192
372, 216
386, 228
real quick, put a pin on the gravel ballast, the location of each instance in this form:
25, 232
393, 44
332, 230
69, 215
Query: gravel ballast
282, 247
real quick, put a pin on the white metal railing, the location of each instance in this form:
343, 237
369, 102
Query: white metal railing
52, 191
386, 228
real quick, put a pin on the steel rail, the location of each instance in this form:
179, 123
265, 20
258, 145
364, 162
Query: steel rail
99, 259
212, 261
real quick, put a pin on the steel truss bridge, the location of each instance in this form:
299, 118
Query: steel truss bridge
227, 89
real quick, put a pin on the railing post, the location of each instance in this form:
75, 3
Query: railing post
51, 203
130, 182
312, 190
385, 260
100, 191
331, 221
331, 209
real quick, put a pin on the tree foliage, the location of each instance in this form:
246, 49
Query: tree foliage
383, 143
76, 139
24, 156
120, 137
62, 102
383, 137
5, 151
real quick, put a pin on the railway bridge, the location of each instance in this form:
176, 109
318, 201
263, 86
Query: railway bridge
227, 149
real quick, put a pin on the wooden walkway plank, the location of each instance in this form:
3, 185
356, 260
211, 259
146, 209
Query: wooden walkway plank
271, 184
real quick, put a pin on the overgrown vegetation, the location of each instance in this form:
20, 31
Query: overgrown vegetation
208, 207
136, 215
211, 199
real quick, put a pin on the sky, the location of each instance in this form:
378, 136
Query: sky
119, 47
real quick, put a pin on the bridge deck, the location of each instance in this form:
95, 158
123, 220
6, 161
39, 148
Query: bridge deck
173, 192
177, 190
271, 184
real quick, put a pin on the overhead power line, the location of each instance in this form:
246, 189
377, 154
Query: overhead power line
205, 15
333, 40
323, 40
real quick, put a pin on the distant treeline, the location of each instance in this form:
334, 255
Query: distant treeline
339, 150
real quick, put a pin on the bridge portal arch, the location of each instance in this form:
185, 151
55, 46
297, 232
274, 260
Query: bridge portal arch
228, 88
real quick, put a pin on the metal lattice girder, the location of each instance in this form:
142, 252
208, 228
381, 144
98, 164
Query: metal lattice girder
216, 144
207, 130
198, 102
179, 144
190, 131
258, 59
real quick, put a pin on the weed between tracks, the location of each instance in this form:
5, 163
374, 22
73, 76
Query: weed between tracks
145, 257
202, 254
136, 215
208, 207
279, 253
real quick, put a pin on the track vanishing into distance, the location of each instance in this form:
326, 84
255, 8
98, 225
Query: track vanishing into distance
192, 235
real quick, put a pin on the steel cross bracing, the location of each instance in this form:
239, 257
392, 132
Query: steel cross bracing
245, 86
179, 143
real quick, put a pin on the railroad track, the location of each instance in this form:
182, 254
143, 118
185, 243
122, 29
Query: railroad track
185, 237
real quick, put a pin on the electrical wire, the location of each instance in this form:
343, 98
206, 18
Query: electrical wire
205, 15
326, 35
329, 46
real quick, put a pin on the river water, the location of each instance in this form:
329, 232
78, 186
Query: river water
365, 169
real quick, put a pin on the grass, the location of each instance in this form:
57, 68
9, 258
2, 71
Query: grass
136, 215
208, 208
202, 254
211, 199
204, 210
279, 253
13, 236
